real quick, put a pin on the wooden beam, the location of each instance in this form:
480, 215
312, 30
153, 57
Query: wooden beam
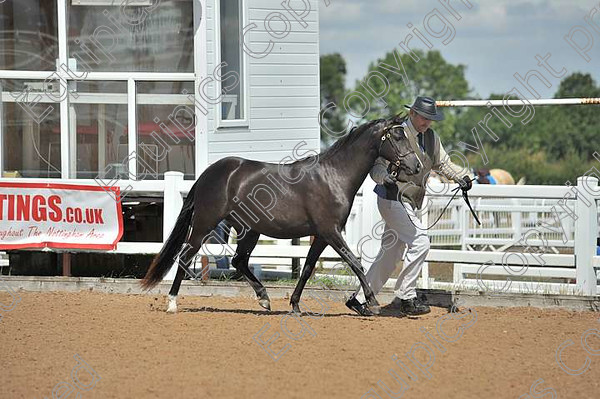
66, 264
205, 271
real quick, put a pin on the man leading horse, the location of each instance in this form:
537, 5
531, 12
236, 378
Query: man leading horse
398, 195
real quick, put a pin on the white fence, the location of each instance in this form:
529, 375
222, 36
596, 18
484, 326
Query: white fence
481, 253
477, 255
540, 238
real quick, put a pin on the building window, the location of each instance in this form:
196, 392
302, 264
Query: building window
30, 128
28, 35
230, 76
157, 36
98, 121
166, 129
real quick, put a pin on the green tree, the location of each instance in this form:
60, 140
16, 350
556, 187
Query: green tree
333, 77
580, 122
431, 75
555, 146
577, 85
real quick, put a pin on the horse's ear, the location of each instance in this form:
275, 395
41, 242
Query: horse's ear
400, 117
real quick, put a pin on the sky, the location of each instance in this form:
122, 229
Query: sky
495, 38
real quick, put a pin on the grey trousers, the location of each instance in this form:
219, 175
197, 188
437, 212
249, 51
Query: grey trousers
407, 237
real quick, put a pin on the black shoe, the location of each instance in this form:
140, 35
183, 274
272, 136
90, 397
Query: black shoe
396, 304
414, 307
360, 308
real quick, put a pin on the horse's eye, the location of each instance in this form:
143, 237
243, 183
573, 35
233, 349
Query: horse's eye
399, 134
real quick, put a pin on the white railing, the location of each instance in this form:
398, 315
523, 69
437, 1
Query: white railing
508, 215
503, 220
507, 212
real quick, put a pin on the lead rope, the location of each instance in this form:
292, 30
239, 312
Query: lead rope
465, 197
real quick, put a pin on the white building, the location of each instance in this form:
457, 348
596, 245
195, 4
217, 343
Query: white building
86, 83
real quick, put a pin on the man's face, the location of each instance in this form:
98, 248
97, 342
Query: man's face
420, 123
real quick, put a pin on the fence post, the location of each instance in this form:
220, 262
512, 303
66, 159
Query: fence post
586, 231
295, 261
173, 202
516, 221
464, 226
425, 269
463, 219
369, 218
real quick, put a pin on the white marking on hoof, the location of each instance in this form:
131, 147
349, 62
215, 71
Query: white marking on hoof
172, 308
265, 303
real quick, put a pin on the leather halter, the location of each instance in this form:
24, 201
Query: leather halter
387, 136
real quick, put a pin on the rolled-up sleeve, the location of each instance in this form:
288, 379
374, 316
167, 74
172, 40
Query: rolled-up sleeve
379, 170
449, 169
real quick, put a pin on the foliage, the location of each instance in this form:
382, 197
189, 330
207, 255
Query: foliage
430, 76
556, 145
537, 167
333, 76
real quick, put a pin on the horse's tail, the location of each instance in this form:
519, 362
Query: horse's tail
163, 261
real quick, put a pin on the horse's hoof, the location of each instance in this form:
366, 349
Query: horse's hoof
265, 303
172, 304
296, 309
375, 309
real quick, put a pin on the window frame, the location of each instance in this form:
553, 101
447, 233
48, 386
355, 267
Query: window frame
221, 123
67, 143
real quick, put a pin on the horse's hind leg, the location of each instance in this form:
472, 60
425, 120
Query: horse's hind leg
316, 249
186, 257
187, 254
240, 262
172, 307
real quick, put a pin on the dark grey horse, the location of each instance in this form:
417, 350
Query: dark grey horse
312, 196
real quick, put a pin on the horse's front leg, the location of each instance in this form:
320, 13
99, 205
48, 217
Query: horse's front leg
338, 243
316, 249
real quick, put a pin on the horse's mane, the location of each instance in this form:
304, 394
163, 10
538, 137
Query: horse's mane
348, 139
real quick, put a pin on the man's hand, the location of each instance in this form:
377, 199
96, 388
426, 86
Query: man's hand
465, 183
389, 180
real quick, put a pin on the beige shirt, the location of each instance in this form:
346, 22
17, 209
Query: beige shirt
446, 167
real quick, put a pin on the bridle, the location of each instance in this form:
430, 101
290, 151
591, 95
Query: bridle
387, 136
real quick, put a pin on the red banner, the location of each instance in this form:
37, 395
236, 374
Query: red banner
38, 215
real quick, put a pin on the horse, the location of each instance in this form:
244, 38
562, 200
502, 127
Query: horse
487, 176
498, 176
311, 197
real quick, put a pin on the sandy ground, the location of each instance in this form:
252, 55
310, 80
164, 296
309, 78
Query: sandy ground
207, 350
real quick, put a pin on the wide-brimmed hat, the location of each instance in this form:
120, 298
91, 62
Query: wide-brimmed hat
425, 106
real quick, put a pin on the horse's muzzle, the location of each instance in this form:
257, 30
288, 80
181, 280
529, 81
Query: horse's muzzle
416, 169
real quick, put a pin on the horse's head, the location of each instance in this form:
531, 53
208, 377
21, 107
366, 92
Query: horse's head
395, 147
